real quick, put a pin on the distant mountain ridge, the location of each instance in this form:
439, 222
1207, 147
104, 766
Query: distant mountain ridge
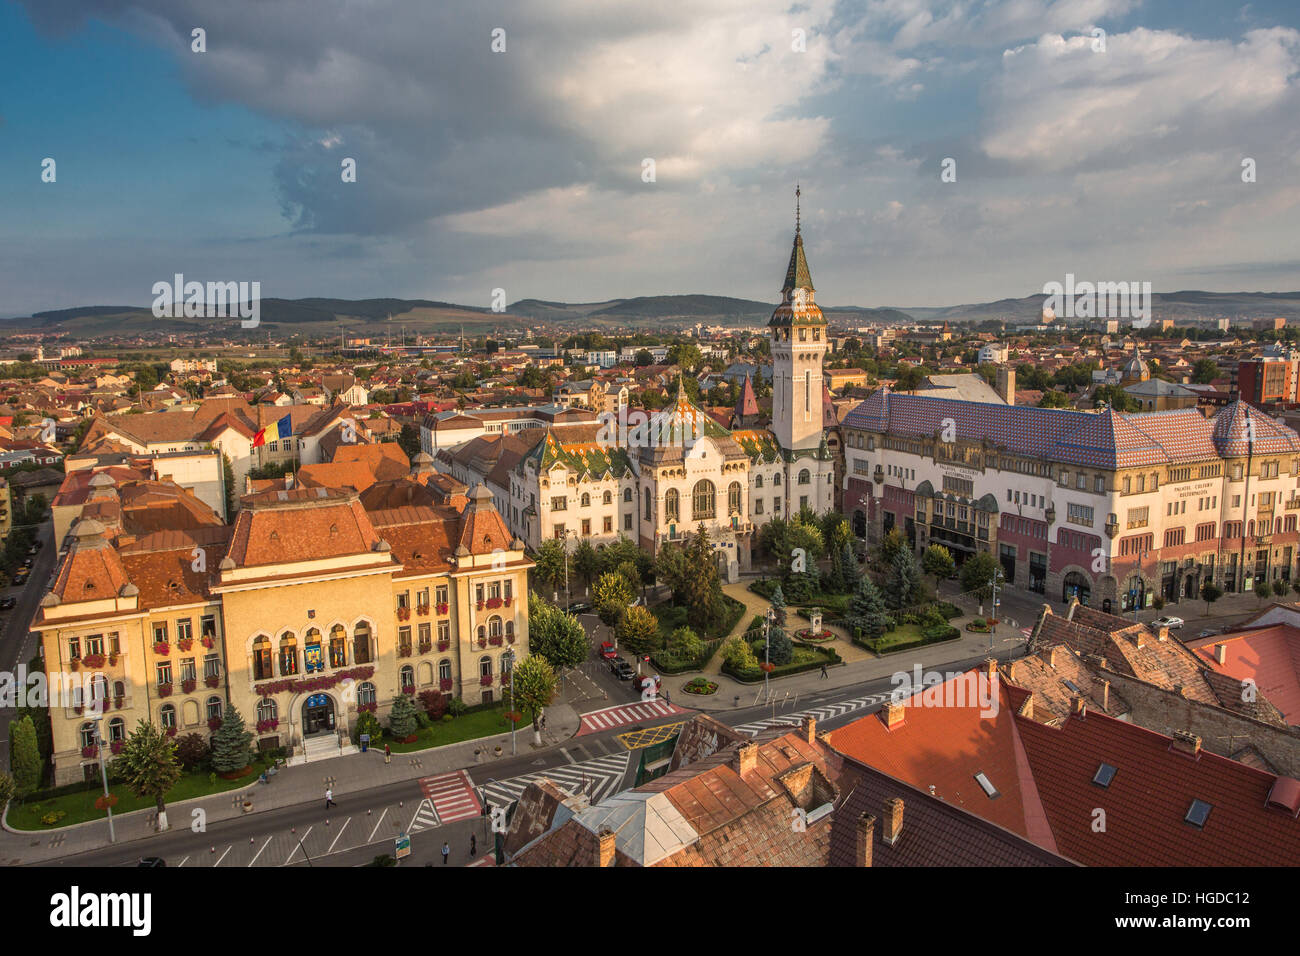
647, 313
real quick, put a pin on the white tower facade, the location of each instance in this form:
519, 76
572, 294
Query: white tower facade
798, 333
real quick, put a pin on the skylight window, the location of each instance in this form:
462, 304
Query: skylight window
1197, 813
1104, 775
1074, 688
987, 786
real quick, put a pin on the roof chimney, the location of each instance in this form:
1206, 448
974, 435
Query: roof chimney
746, 758
990, 668
866, 831
892, 713
893, 820
1221, 652
1105, 696
1186, 742
808, 728
1006, 380
1078, 707
1162, 634
605, 847
1051, 656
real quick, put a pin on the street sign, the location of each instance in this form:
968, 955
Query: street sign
403, 846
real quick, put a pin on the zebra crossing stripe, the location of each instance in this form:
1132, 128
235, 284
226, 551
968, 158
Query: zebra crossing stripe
825, 712
600, 778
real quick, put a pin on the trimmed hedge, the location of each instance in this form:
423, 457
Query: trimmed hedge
936, 634
753, 677
666, 663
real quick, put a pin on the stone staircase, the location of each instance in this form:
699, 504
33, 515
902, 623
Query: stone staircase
322, 747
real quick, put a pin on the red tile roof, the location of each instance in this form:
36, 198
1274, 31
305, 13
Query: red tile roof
1270, 656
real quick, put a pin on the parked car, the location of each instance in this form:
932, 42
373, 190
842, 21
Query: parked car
1173, 623
7, 604
622, 669
20, 578
579, 607
607, 651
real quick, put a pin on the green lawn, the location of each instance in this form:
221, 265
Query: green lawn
479, 723
671, 616
80, 807
899, 635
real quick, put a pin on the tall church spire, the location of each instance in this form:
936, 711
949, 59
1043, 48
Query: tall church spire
797, 275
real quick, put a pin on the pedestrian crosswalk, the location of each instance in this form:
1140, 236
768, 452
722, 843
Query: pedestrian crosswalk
452, 796
597, 778
425, 817
824, 712
619, 716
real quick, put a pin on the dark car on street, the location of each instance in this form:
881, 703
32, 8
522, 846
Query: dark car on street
7, 604
20, 578
579, 607
622, 669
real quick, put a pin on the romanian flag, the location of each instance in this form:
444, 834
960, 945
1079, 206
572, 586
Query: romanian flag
274, 432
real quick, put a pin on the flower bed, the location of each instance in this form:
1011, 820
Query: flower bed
807, 635
701, 687
979, 625
236, 774
314, 683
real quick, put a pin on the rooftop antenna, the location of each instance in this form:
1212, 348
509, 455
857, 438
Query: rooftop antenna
797, 193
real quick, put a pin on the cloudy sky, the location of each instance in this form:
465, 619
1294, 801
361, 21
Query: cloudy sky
1103, 138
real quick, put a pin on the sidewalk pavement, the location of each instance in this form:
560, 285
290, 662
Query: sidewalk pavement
290, 787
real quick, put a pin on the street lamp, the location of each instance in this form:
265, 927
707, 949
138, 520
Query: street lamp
508, 666
103, 773
767, 651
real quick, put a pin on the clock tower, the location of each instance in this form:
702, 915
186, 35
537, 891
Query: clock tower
798, 333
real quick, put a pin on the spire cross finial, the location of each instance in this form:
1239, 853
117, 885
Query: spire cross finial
796, 207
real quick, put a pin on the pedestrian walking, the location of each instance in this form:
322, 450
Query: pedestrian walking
446, 852
473, 845
329, 797
388, 754
668, 698
824, 674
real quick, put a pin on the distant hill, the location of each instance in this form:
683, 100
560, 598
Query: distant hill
647, 313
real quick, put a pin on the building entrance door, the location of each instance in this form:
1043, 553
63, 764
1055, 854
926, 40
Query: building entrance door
317, 715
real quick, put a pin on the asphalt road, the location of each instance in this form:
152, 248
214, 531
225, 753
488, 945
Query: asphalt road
16, 642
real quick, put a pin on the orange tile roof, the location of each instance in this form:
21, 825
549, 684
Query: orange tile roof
1270, 656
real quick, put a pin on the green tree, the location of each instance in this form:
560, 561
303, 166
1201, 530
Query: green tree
549, 569
670, 569
903, 581
685, 645
402, 722
232, 743
702, 588
611, 595
738, 655
644, 358
1054, 399
909, 378
149, 765
532, 684
778, 604
24, 756
7, 790
849, 568
867, 608
409, 440
1281, 588
1210, 592
1205, 371
639, 630
555, 635
585, 562
977, 575
938, 561
630, 573
890, 545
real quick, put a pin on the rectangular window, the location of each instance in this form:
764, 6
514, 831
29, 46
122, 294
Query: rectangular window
559, 504
440, 594
165, 672
586, 527
1099, 485
627, 522
559, 531
1137, 517
444, 630
74, 648
608, 525
1079, 514
208, 625
187, 668
211, 666
1081, 482
160, 633
184, 629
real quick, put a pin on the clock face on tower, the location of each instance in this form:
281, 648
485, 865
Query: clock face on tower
800, 297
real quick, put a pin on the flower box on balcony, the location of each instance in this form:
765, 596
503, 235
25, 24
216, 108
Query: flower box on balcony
408, 690
506, 601
208, 642
403, 613
164, 690
367, 708
90, 751
425, 647
495, 640
212, 681
187, 686
93, 660
171, 731
493, 603
485, 680
185, 643
112, 659
442, 608
116, 746
479, 605
162, 647
403, 652
510, 638
214, 724
422, 609
444, 683
482, 642
264, 725
444, 645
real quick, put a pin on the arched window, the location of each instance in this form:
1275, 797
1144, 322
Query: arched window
408, 678
167, 716
482, 633
627, 495
262, 658
510, 628
361, 644
266, 709
485, 666
704, 500
444, 669
494, 626
116, 729
609, 498
426, 673
87, 734
119, 689
338, 646
733, 497
758, 481
586, 500
288, 654
672, 505
776, 479
805, 477
366, 693
214, 707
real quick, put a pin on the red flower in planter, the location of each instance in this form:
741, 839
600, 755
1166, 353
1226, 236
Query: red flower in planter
479, 605
185, 643
214, 724
187, 686
482, 642
422, 609
118, 702
444, 683
264, 725
408, 689
403, 613
493, 603
171, 731
116, 746
164, 690
510, 638
93, 660
507, 601
367, 708
485, 680
75, 663
161, 647
495, 640
442, 608
207, 642
112, 659
90, 751
444, 645
212, 681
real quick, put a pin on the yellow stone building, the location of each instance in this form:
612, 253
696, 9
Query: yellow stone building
307, 610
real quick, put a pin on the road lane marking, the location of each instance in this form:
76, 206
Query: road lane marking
298, 846
337, 835
259, 852
376, 829
222, 857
